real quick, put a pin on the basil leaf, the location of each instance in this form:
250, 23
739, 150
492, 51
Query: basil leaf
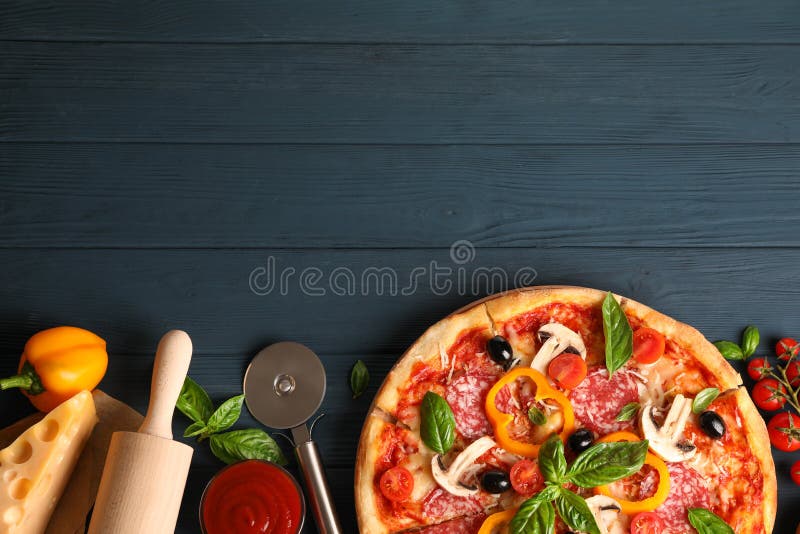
438, 423
194, 429
707, 522
537, 416
226, 415
605, 463
729, 350
750, 339
628, 411
552, 462
359, 379
248, 444
618, 334
194, 402
535, 516
703, 399
575, 512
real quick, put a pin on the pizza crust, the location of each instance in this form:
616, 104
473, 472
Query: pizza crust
758, 439
368, 515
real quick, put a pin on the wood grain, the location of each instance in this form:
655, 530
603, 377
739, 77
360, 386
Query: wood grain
550, 21
412, 196
400, 94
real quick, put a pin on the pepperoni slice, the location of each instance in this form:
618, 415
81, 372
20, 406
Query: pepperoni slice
597, 400
688, 489
463, 525
466, 396
440, 505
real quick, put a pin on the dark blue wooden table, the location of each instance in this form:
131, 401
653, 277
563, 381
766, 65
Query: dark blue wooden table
162, 162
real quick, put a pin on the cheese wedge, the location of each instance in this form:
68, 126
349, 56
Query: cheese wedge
35, 468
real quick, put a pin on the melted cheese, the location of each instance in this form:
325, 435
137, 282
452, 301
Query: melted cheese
35, 469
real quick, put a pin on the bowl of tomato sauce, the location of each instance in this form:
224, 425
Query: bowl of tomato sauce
252, 497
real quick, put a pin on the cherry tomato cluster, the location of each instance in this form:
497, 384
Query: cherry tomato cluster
777, 387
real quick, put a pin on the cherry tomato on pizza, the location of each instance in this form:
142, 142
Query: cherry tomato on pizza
795, 471
526, 478
784, 431
767, 394
793, 373
786, 347
567, 370
648, 345
647, 523
397, 484
757, 367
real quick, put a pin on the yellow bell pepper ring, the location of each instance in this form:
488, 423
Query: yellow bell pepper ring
57, 364
497, 523
501, 421
662, 491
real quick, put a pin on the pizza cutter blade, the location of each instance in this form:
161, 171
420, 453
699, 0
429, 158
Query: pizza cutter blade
283, 387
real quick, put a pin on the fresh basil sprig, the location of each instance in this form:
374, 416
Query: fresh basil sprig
707, 522
247, 444
194, 402
359, 379
211, 424
627, 412
438, 425
703, 399
600, 464
732, 351
618, 334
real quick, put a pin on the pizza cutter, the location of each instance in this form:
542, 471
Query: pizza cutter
283, 387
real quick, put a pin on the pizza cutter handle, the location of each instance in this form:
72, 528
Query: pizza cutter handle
317, 486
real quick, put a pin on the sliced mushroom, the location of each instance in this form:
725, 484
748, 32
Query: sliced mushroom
667, 441
556, 338
450, 478
606, 513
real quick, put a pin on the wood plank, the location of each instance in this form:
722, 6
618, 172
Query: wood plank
395, 196
399, 94
585, 21
131, 297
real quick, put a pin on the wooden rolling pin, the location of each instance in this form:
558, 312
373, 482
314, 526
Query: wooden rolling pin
145, 471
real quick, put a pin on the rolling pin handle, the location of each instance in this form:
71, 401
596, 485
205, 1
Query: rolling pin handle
169, 372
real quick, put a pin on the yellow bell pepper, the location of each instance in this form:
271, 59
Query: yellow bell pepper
501, 421
497, 523
662, 491
57, 364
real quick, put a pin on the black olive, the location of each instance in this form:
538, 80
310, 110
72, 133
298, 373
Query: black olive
495, 481
712, 424
501, 352
580, 440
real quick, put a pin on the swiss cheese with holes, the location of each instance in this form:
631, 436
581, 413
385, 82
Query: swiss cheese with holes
35, 468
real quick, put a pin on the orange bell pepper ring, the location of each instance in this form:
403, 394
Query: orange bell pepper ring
497, 523
501, 421
57, 364
662, 491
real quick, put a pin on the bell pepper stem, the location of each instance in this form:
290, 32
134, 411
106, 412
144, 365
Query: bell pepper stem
27, 379
23, 381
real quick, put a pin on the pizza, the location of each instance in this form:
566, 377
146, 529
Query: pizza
563, 409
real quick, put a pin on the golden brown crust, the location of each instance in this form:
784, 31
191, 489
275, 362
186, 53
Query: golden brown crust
368, 515
758, 439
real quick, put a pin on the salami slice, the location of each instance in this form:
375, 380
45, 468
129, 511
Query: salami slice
688, 489
442, 505
463, 525
466, 395
598, 400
